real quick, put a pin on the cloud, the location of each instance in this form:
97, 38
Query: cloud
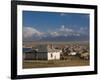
54, 34
62, 31
63, 14
66, 31
30, 31
83, 30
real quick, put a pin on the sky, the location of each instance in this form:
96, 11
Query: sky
37, 25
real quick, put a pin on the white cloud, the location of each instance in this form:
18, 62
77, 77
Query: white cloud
77, 34
63, 28
66, 31
83, 30
62, 31
30, 31
54, 34
62, 14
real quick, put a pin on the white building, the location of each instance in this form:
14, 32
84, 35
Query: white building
53, 54
42, 52
72, 53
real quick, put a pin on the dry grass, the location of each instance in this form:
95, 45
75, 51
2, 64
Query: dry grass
72, 61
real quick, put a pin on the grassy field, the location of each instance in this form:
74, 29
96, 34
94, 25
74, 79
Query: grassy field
72, 61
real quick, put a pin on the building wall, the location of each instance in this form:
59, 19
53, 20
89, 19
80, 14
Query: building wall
29, 56
53, 55
41, 56
35, 56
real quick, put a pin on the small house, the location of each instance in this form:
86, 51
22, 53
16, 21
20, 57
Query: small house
42, 52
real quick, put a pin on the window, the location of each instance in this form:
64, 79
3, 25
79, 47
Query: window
51, 55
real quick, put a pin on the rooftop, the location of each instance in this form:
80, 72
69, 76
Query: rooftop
41, 48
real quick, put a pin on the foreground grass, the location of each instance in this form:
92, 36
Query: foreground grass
75, 61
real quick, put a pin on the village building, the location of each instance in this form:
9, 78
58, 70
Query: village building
42, 52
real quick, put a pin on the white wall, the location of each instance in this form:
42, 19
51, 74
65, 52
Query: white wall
55, 55
5, 30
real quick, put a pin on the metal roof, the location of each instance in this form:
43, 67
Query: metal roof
27, 49
40, 48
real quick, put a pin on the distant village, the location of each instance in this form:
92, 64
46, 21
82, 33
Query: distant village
56, 52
